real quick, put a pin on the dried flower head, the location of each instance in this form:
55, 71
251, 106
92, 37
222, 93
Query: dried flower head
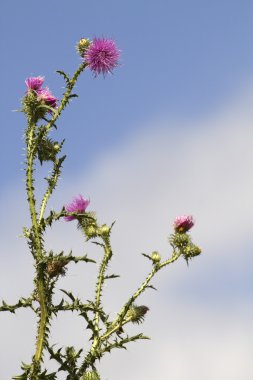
46, 95
102, 56
56, 268
34, 83
183, 223
78, 206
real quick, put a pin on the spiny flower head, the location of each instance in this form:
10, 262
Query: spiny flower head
46, 95
78, 205
102, 56
183, 223
136, 313
34, 83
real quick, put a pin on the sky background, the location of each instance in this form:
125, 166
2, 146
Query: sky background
169, 133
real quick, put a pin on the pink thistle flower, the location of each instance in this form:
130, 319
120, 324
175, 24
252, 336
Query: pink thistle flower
34, 83
183, 223
46, 95
102, 56
78, 205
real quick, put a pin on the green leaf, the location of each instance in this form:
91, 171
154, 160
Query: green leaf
65, 76
69, 294
111, 276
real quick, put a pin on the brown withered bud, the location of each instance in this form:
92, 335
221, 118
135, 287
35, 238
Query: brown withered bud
56, 268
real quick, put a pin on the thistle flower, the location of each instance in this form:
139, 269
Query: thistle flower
102, 56
34, 83
183, 223
46, 95
78, 205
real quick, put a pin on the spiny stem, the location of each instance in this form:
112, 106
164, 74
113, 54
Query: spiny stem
56, 115
92, 356
101, 279
66, 95
51, 186
119, 319
37, 248
43, 318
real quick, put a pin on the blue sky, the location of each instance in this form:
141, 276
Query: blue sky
170, 132
180, 58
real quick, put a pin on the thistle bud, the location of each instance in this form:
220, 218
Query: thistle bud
91, 375
179, 240
191, 251
56, 268
47, 150
136, 313
104, 230
82, 46
91, 231
155, 256
70, 352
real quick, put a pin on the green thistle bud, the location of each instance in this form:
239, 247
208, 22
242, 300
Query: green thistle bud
104, 230
156, 257
70, 352
31, 105
191, 251
91, 375
47, 150
180, 240
136, 313
91, 231
82, 46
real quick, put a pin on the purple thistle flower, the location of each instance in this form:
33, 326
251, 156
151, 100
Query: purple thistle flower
102, 56
183, 223
34, 83
46, 95
78, 205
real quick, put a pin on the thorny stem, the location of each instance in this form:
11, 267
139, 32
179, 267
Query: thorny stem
119, 319
92, 356
99, 286
38, 253
101, 278
66, 95
37, 249
45, 199
57, 113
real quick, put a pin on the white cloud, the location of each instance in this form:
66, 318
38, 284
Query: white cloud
200, 320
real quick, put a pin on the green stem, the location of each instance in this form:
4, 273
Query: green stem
101, 279
66, 95
56, 115
92, 355
37, 248
124, 310
119, 321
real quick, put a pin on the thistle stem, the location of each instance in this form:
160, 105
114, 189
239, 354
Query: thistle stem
101, 279
92, 355
56, 115
66, 95
37, 248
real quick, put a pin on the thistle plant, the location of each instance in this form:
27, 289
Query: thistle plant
42, 111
